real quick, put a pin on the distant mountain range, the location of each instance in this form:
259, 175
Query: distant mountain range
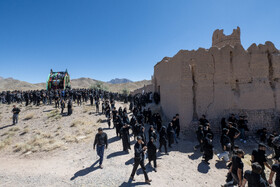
13, 84
119, 81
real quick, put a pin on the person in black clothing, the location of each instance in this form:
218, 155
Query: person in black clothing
207, 130
91, 99
15, 111
139, 149
208, 148
233, 133
259, 156
109, 122
242, 126
101, 140
118, 125
62, 105
143, 135
125, 137
97, 105
224, 123
163, 139
170, 134
152, 133
177, 124
226, 145
262, 133
203, 121
200, 138
275, 169
152, 152
236, 169
69, 107
232, 119
253, 177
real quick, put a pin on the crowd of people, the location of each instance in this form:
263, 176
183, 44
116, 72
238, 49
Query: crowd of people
232, 129
159, 135
147, 141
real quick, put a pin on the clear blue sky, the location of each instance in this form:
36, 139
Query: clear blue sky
106, 39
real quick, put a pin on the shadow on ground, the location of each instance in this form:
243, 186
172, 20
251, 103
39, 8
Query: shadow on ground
203, 167
85, 171
118, 153
6, 126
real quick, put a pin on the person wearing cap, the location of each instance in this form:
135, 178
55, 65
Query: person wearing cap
259, 156
236, 169
275, 169
254, 177
101, 141
139, 149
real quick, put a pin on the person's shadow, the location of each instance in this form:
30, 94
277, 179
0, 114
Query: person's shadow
7, 126
203, 167
130, 161
194, 156
221, 165
85, 171
115, 154
129, 183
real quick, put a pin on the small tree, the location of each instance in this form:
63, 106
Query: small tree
125, 91
99, 86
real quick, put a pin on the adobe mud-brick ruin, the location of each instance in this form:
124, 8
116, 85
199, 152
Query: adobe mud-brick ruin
221, 80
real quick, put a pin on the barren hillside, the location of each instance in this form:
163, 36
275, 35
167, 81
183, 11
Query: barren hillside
12, 84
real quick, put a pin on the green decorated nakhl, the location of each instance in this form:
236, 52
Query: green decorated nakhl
58, 80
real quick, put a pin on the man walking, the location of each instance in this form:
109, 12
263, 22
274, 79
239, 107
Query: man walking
15, 111
139, 159
101, 141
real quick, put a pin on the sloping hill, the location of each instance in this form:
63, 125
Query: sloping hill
13, 84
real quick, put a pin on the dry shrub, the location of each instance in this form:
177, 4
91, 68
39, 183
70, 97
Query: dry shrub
43, 142
53, 114
52, 146
57, 129
5, 142
88, 131
4, 134
87, 109
58, 117
69, 139
14, 129
25, 131
46, 136
28, 116
11, 134
78, 122
37, 132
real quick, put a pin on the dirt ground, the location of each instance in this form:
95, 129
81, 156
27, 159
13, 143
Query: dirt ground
48, 149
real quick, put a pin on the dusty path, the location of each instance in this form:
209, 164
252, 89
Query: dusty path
77, 166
